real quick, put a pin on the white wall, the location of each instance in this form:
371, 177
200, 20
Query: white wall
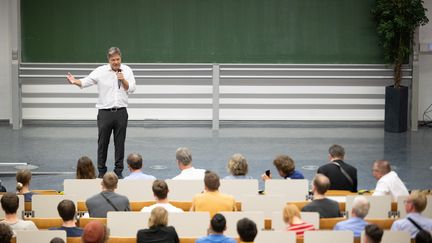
5, 61
425, 61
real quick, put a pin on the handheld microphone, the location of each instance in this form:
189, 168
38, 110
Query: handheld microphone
119, 81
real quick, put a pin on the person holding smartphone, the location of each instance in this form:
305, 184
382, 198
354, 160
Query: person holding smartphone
285, 167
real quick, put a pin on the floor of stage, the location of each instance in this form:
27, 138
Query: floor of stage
56, 146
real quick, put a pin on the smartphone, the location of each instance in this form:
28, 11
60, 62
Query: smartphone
267, 173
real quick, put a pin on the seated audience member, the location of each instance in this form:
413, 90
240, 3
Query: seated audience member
414, 206
211, 200
237, 167
107, 200
215, 231
95, 232
373, 234
342, 176
135, 164
2, 188
184, 162
291, 216
247, 230
23, 178
356, 222
5, 233
10, 203
285, 167
160, 192
67, 212
326, 208
388, 182
158, 231
85, 168
57, 240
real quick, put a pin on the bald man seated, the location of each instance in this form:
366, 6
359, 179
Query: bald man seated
389, 182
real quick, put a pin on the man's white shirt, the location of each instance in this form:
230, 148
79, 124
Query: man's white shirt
170, 208
390, 184
110, 95
190, 174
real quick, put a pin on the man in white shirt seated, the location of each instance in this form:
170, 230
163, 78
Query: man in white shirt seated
160, 192
10, 204
389, 182
184, 162
135, 163
414, 205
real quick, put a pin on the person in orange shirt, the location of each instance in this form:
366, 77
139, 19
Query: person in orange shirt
211, 200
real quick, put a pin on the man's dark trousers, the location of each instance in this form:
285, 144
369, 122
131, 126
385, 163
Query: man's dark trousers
111, 120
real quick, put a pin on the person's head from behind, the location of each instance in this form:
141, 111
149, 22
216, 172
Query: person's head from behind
423, 236
218, 223
10, 203
160, 189
114, 58
95, 232
85, 168
158, 217
380, 168
284, 165
373, 234
320, 184
184, 158
66, 210
23, 178
360, 207
247, 230
211, 181
289, 213
5, 233
135, 161
237, 165
57, 240
336, 152
416, 202
109, 181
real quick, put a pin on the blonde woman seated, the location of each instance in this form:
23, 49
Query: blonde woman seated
291, 216
237, 167
158, 231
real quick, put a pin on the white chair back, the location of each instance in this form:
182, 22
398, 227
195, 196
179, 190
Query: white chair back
233, 217
275, 237
40, 236
126, 224
184, 190
21, 207
309, 217
45, 206
328, 236
82, 188
190, 224
265, 203
238, 188
380, 206
292, 190
392, 237
136, 190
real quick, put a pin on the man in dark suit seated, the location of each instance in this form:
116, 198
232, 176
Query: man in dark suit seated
99, 204
342, 176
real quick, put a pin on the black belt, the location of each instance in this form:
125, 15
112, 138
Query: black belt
114, 109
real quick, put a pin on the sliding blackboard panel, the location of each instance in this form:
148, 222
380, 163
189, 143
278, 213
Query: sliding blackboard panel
200, 31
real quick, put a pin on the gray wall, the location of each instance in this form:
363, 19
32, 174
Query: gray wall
5, 61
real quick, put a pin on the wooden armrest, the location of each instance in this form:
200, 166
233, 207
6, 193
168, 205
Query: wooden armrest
46, 223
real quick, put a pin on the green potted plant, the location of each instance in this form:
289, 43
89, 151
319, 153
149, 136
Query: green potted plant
397, 21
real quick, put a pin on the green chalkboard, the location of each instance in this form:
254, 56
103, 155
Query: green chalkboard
200, 31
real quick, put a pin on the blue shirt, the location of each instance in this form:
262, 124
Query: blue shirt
139, 176
70, 231
406, 225
216, 238
295, 175
354, 224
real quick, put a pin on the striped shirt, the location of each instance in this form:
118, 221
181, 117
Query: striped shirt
299, 229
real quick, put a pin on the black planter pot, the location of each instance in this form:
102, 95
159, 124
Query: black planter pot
396, 109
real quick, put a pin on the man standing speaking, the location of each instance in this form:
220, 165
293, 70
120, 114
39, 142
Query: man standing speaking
114, 82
